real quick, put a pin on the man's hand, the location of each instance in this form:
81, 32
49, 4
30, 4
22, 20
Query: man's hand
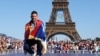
31, 37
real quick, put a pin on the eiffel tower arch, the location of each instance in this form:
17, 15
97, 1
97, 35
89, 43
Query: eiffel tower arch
67, 27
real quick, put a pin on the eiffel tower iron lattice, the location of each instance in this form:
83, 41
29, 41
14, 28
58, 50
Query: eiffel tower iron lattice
67, 27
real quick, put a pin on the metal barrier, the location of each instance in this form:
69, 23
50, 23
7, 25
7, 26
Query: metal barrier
75, 51
11, 51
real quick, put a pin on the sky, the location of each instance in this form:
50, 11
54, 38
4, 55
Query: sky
14, 14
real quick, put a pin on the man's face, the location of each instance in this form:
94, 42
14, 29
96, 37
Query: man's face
34, 17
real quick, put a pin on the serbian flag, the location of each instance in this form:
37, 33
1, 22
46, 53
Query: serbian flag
41, 33
37, 32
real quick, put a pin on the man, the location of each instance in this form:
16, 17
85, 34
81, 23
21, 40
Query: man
34, 35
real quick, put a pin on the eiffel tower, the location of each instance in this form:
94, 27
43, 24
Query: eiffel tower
67, 27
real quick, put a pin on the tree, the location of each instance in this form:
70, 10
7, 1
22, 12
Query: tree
97, 38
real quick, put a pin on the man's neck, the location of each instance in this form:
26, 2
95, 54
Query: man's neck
34, 22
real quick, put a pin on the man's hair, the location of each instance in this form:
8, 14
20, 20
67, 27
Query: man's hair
34, 12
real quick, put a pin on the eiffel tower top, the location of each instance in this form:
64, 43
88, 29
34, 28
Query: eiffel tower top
60, 5
60, 0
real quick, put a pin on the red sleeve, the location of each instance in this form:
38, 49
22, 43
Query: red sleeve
26, 34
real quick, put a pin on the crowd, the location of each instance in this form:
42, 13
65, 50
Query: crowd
7, 44
65, 46
53, 46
